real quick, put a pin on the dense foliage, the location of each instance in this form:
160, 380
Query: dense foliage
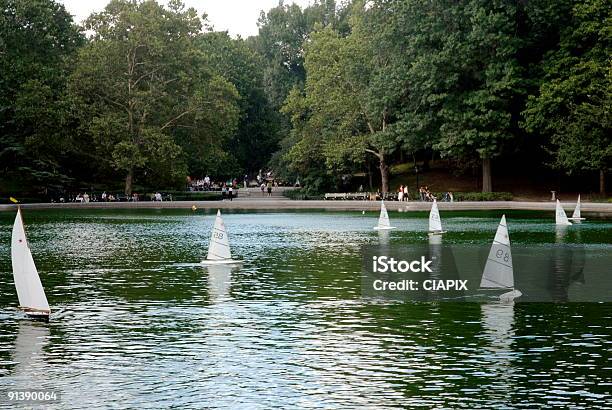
471, 81
142, 94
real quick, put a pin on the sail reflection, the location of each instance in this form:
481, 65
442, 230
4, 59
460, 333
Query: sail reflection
219, 282
29, 354
435, 254
567, 265
384, 237
498, 324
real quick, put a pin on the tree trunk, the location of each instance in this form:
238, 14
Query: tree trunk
129, 180
384, 174
487, 185
425, 167
602, 182
370, 177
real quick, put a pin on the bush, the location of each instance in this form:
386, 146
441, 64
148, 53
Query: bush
482, 196
189, 196
302, 194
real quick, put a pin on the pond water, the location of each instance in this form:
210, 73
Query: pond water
137, 322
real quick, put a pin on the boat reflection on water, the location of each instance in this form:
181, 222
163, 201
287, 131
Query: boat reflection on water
384, 237
567, 264
219, 282
498, 324
498, 332
28, 354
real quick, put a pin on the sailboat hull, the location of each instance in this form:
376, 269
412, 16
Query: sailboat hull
226, 262
510, 296
383, 228
41, 317
576, 219
437, 232
34, 314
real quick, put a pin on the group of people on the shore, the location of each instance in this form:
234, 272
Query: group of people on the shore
424, 194
84, 198
207, 184
267, 186
402, 193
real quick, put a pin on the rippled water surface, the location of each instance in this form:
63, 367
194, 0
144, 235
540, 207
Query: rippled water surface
137, 322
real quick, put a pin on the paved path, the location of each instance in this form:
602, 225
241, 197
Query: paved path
277, 204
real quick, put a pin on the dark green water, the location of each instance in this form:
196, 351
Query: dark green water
139, 323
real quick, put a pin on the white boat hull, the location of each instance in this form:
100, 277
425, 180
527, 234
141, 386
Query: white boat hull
226, 262
576, 219
383, 228
437, 232
510, 296
36, 314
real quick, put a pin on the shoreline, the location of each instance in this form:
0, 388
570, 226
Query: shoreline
339, 205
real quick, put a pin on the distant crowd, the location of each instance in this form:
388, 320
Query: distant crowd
403, 194
109, 197
266, 181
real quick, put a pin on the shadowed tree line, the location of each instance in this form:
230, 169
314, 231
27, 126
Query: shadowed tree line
142, 95
474, 82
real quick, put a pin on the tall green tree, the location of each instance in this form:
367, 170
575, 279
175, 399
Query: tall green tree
477, 56
38, 42
283, 30
256, 137
574, 101
144, 88
360, 100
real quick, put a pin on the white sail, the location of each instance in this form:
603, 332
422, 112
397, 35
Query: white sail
560, 216
498, 272
576, 215
435, 225
383, 219
27, 282
219, 248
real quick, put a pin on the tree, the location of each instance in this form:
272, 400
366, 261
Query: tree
143, 86
38, 42
256, 137
283, 31
358, 92
574, 100
478, 76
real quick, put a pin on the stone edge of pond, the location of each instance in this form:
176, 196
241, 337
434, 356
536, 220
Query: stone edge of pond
340, 205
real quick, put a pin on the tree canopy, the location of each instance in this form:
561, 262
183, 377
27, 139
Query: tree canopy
146, 94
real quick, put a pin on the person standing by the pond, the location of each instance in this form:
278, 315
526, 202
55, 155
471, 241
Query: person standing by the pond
406, 193
223, 191
263, 188
269, 188
400, 193
230, 193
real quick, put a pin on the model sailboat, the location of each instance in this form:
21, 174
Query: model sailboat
576, 215
498, 272
560, 216
383, 220
219, 249
32, 298
435, 224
